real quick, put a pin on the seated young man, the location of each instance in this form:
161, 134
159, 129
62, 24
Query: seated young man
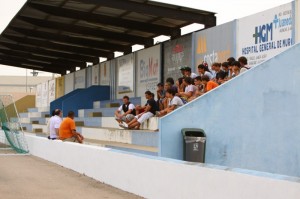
150, 109
67, 130
208, 84
199, 88
189, 90
174, 102
126, 112
161, 94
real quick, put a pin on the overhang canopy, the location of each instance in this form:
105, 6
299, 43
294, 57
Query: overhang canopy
60, 35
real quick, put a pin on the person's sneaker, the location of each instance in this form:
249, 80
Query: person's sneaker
125, 124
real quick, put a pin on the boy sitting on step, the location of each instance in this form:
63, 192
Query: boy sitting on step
126, 112
150, 109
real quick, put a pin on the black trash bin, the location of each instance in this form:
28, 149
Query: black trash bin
194, 144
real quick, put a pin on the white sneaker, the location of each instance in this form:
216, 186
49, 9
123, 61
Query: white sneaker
125, 124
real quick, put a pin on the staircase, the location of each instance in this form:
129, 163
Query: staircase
100, 128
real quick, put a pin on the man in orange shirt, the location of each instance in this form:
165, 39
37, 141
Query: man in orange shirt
67, 130
208, 84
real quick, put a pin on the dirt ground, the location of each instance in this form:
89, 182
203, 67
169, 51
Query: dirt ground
29, 177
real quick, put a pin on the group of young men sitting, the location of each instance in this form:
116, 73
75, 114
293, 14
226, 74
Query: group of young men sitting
171, 95
63, 129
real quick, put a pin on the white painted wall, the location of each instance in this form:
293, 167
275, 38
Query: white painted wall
163, 178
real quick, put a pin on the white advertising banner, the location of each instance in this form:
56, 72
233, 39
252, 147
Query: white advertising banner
105, 73
96, 74
69, 83
38, 96
51, 88
148, 71
215, 44
45, 95
80, 77
125, 68
265, 34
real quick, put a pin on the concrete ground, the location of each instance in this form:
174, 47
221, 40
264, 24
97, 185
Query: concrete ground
29, 177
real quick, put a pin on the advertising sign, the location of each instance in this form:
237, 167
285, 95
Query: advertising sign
38, 96
80, 77
51, 94
96, 74
59, 87
265, 34
125, 68
215, 44
148, 67
45, 89
105, 73
177, 53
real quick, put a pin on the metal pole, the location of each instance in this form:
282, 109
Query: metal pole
26, 80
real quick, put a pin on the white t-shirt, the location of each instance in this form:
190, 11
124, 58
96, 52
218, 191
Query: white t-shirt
243, 70
190, 88
176, 101
208, 74
54, 124
193, 75
130, 107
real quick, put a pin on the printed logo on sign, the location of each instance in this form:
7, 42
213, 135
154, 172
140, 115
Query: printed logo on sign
148, 70
196, 147
177, 54
263, 35
201, 45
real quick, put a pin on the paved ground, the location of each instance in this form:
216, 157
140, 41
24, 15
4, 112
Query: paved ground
28, 177
5, 149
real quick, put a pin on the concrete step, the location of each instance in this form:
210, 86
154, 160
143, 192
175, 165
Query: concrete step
110, 122
27, 126
113, 103
34, 115
105, 112
43, 128
34, 120
39, 109
37, 130
136, 137
124, 147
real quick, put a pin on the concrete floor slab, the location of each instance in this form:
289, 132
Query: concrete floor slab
29, 177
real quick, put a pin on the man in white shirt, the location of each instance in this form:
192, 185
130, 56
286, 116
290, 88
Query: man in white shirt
54, 124
126, 112
174, 102
244, 64
188, 73
203, 70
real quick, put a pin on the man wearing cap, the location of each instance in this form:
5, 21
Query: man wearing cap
188, 73
182, 69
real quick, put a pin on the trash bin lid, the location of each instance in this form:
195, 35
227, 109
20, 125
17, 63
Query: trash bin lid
191, 139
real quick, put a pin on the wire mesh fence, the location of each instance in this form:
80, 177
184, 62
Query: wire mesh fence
11, 134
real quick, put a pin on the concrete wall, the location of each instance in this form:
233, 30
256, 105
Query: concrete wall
20, 84
163, 178
251, 122
297, 20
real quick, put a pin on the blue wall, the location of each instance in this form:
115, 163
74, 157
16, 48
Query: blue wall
57, 104
251, 122
85, 98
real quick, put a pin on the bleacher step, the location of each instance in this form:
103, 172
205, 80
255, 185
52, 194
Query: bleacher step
110, 144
